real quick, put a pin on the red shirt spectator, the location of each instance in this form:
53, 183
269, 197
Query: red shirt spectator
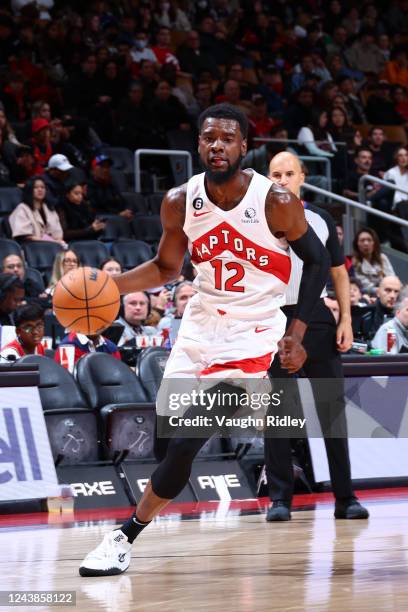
74, 345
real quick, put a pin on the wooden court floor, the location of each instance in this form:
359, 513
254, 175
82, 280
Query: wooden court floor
225, 560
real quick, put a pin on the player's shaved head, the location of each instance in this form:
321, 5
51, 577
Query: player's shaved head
286, 170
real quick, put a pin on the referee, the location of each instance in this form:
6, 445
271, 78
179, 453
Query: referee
322, 341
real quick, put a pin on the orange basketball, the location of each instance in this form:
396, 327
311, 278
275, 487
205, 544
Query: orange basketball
86, 300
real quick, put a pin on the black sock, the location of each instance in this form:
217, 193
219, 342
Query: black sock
133, 527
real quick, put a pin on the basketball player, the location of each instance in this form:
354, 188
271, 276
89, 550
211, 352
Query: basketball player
232, 222
323, 341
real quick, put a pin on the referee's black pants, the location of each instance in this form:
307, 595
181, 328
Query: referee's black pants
323, 362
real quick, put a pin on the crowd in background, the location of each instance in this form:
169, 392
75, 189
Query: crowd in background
327, 79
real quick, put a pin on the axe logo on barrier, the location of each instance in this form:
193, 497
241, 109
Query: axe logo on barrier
215, 480
94, 487
106, 487
138, 475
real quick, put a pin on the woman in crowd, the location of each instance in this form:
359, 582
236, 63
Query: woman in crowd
34, 219
315, 137
340, 129
77, 218
370, 265
64, 262
112, 266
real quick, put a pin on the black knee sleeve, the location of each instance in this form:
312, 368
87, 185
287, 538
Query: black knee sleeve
172, 474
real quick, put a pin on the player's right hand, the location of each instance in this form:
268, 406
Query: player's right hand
292, 354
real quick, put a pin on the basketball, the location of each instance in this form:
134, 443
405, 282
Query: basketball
86, 300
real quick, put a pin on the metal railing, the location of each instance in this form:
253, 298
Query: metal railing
369, 178
348, 218
162, 152
307, 158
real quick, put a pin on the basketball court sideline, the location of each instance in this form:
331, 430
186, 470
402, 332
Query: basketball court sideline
224, 555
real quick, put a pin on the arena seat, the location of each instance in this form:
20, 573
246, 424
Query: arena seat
119, 180
131, 253
147, 228
10, 197
116, 228
136, 202
40, 254
122, 158
9, 247
150, 368
127, 417
36, 277
72, 426
91, 252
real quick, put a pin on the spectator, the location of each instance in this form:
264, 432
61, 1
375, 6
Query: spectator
29, 322
73, 346
162, 50
6, 129
148, 77
232, 95
315, 137
14, 264
33, 219
356, 295
302, 72
367, 321
338, 69
398, 174
382, 151
399, 98
260, 122
11, 297
370, 264
136, 309
183, 293
362, 165
354, 106
396, 70
41, 110
41, 142
135, 126
78, 220
398, 324
171, 16
80, 89
191, 57
364, 55
259, 158
55, 176
112, 266
141, 50
300, 112
348, 259
380, 108
341, 130
23, 166
168, 112
64, 262
271, 88
103, 195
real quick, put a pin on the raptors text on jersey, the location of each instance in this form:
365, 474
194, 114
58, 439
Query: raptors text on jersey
243, 270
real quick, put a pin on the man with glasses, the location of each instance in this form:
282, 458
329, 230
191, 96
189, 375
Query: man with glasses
14, 264
29, 322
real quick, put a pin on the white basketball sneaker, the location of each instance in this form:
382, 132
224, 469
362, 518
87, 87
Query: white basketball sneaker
110, 558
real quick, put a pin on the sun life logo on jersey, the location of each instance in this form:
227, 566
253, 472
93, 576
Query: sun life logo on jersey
250, 214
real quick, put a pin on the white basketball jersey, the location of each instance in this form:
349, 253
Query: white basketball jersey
243, 270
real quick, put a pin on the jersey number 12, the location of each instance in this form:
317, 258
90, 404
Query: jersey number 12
230, 283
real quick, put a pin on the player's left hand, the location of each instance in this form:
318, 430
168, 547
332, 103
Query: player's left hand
344, 336
292, 354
